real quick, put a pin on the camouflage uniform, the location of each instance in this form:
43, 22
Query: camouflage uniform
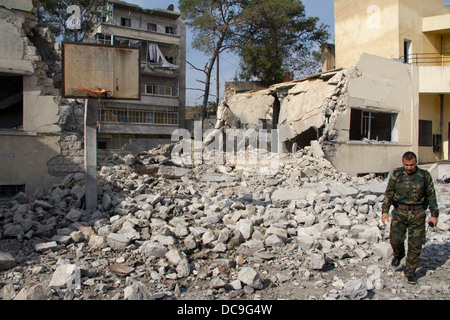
414, 190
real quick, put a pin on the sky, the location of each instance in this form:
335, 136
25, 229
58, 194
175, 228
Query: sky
229, 64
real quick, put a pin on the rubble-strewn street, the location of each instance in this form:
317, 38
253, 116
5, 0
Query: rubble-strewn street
213, 232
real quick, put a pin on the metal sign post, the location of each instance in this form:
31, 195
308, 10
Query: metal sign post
90, 153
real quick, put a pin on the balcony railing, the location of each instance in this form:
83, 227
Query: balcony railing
428, 59
155, 115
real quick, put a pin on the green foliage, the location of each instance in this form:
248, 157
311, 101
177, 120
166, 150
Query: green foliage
212, 22
270, 36
54, 14
276, 36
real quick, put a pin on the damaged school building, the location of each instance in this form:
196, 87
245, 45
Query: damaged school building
384, 90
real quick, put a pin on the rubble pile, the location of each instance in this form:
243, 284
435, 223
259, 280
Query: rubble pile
165, 231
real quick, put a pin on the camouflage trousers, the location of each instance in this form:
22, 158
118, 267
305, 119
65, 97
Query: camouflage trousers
412, 222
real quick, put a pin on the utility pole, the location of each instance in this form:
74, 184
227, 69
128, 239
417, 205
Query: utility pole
218, 82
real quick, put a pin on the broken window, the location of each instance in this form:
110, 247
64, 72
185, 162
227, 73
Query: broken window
425, 133
370, 125
151, 27
11, 102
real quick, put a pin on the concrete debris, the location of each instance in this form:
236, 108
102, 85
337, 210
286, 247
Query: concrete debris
166, 231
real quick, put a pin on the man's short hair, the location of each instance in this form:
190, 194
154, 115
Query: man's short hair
409, 156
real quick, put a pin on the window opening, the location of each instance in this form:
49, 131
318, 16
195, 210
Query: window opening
11, 102
425, 133
125, 22
370, 125
9, 191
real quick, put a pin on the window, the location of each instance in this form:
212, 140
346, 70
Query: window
151, 27
171, 30
371, 125
125, 22
9, 191
104, 38
150, 89
11, 102
425, 133
158, 90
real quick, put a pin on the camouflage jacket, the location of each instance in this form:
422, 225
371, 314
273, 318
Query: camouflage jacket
412, 189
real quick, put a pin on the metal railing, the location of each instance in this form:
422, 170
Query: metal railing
155, 115
427, 59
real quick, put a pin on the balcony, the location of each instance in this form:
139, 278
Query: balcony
436, 24
158, 70
133, 33
434, 71
428, 59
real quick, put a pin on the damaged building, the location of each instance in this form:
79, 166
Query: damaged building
29, 101
42, 133
387, 92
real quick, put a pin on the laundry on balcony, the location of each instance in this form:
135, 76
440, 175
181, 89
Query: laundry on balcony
156, 56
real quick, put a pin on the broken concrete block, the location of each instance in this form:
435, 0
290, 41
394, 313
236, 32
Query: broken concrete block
66, 275
7, 261
41, 247
137, 291
250, 277
317, 149
317, 261
117, 241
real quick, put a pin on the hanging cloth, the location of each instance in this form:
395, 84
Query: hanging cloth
155, 55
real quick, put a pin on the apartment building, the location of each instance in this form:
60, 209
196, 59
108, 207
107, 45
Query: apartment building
406, 101
160, 35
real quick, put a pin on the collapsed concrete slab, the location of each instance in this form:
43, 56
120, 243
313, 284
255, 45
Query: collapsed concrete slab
362, 116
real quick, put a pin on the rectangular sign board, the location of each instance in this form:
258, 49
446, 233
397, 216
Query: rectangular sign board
99, 68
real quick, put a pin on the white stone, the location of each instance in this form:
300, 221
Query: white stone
250, 277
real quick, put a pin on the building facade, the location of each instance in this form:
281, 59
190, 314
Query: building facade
413, 33
160, 36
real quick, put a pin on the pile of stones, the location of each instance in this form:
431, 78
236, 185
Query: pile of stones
165, 231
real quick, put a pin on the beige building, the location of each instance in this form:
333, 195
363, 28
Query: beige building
160, 36
29, 133
415, 36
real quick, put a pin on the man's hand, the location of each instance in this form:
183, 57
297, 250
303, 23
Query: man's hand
384, 218
434, 220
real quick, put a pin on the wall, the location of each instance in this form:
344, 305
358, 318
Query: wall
25, 156
380, 27
363, 26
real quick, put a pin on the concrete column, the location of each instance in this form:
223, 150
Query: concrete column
90, 153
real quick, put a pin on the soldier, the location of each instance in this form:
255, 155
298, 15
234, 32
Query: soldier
411, 191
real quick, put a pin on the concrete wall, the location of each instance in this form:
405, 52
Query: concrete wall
380, 27
383, 85
365, 26
25, 157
